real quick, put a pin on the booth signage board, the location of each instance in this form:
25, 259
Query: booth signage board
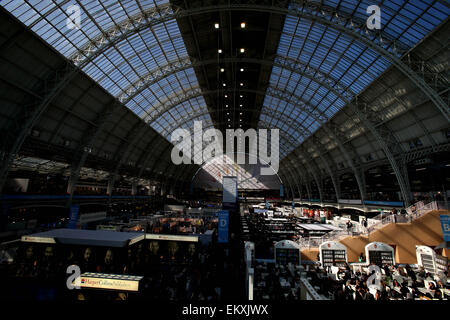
37, 239
90, 217
349, 201
152, 236
230, 191
107, 227
174, 208
445, 222
223, 227
110, 281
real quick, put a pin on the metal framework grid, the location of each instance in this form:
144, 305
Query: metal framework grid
120, 69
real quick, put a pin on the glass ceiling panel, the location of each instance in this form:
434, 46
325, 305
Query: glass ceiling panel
125, 63
338, 56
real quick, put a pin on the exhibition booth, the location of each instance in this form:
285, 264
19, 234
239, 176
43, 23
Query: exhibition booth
332, 253
379, 253
430, 260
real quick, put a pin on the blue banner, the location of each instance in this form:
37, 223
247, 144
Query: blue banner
260, 210
445, 222
223, 227
384, 203
267, 204
73, 216
281, 191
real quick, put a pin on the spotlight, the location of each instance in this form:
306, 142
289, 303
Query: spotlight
216, 25
242, 69
242, 25
242, 50
222, 69
224, 84
220, 50
241, 84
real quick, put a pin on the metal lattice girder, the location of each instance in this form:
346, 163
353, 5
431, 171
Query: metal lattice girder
348, 25
297, 172
87, 142
305, 106
310, 164
292, 65
108, 39
317, 145
293, 174
126, 146
25, 120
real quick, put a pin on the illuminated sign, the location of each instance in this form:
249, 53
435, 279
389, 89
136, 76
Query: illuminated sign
38, 239
170, 237
110, 281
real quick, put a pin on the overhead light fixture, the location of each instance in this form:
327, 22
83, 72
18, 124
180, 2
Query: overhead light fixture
242, 25
226, 96
241, 96
242, 69
241, 84
228, 119
224, 84
240, 113
216, 25
242, 50
220, 50
222, 69
240, 119
228, 113
226, 106
240, 105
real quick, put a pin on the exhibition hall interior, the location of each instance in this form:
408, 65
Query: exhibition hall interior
206, 151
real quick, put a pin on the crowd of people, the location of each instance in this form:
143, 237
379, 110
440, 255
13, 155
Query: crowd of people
182, 225
171, 270
395, 283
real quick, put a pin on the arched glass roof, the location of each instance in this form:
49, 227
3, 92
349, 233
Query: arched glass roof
133, 67
121, 67
323, 52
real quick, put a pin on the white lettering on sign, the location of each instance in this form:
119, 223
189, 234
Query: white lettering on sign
374, 21
74, 277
